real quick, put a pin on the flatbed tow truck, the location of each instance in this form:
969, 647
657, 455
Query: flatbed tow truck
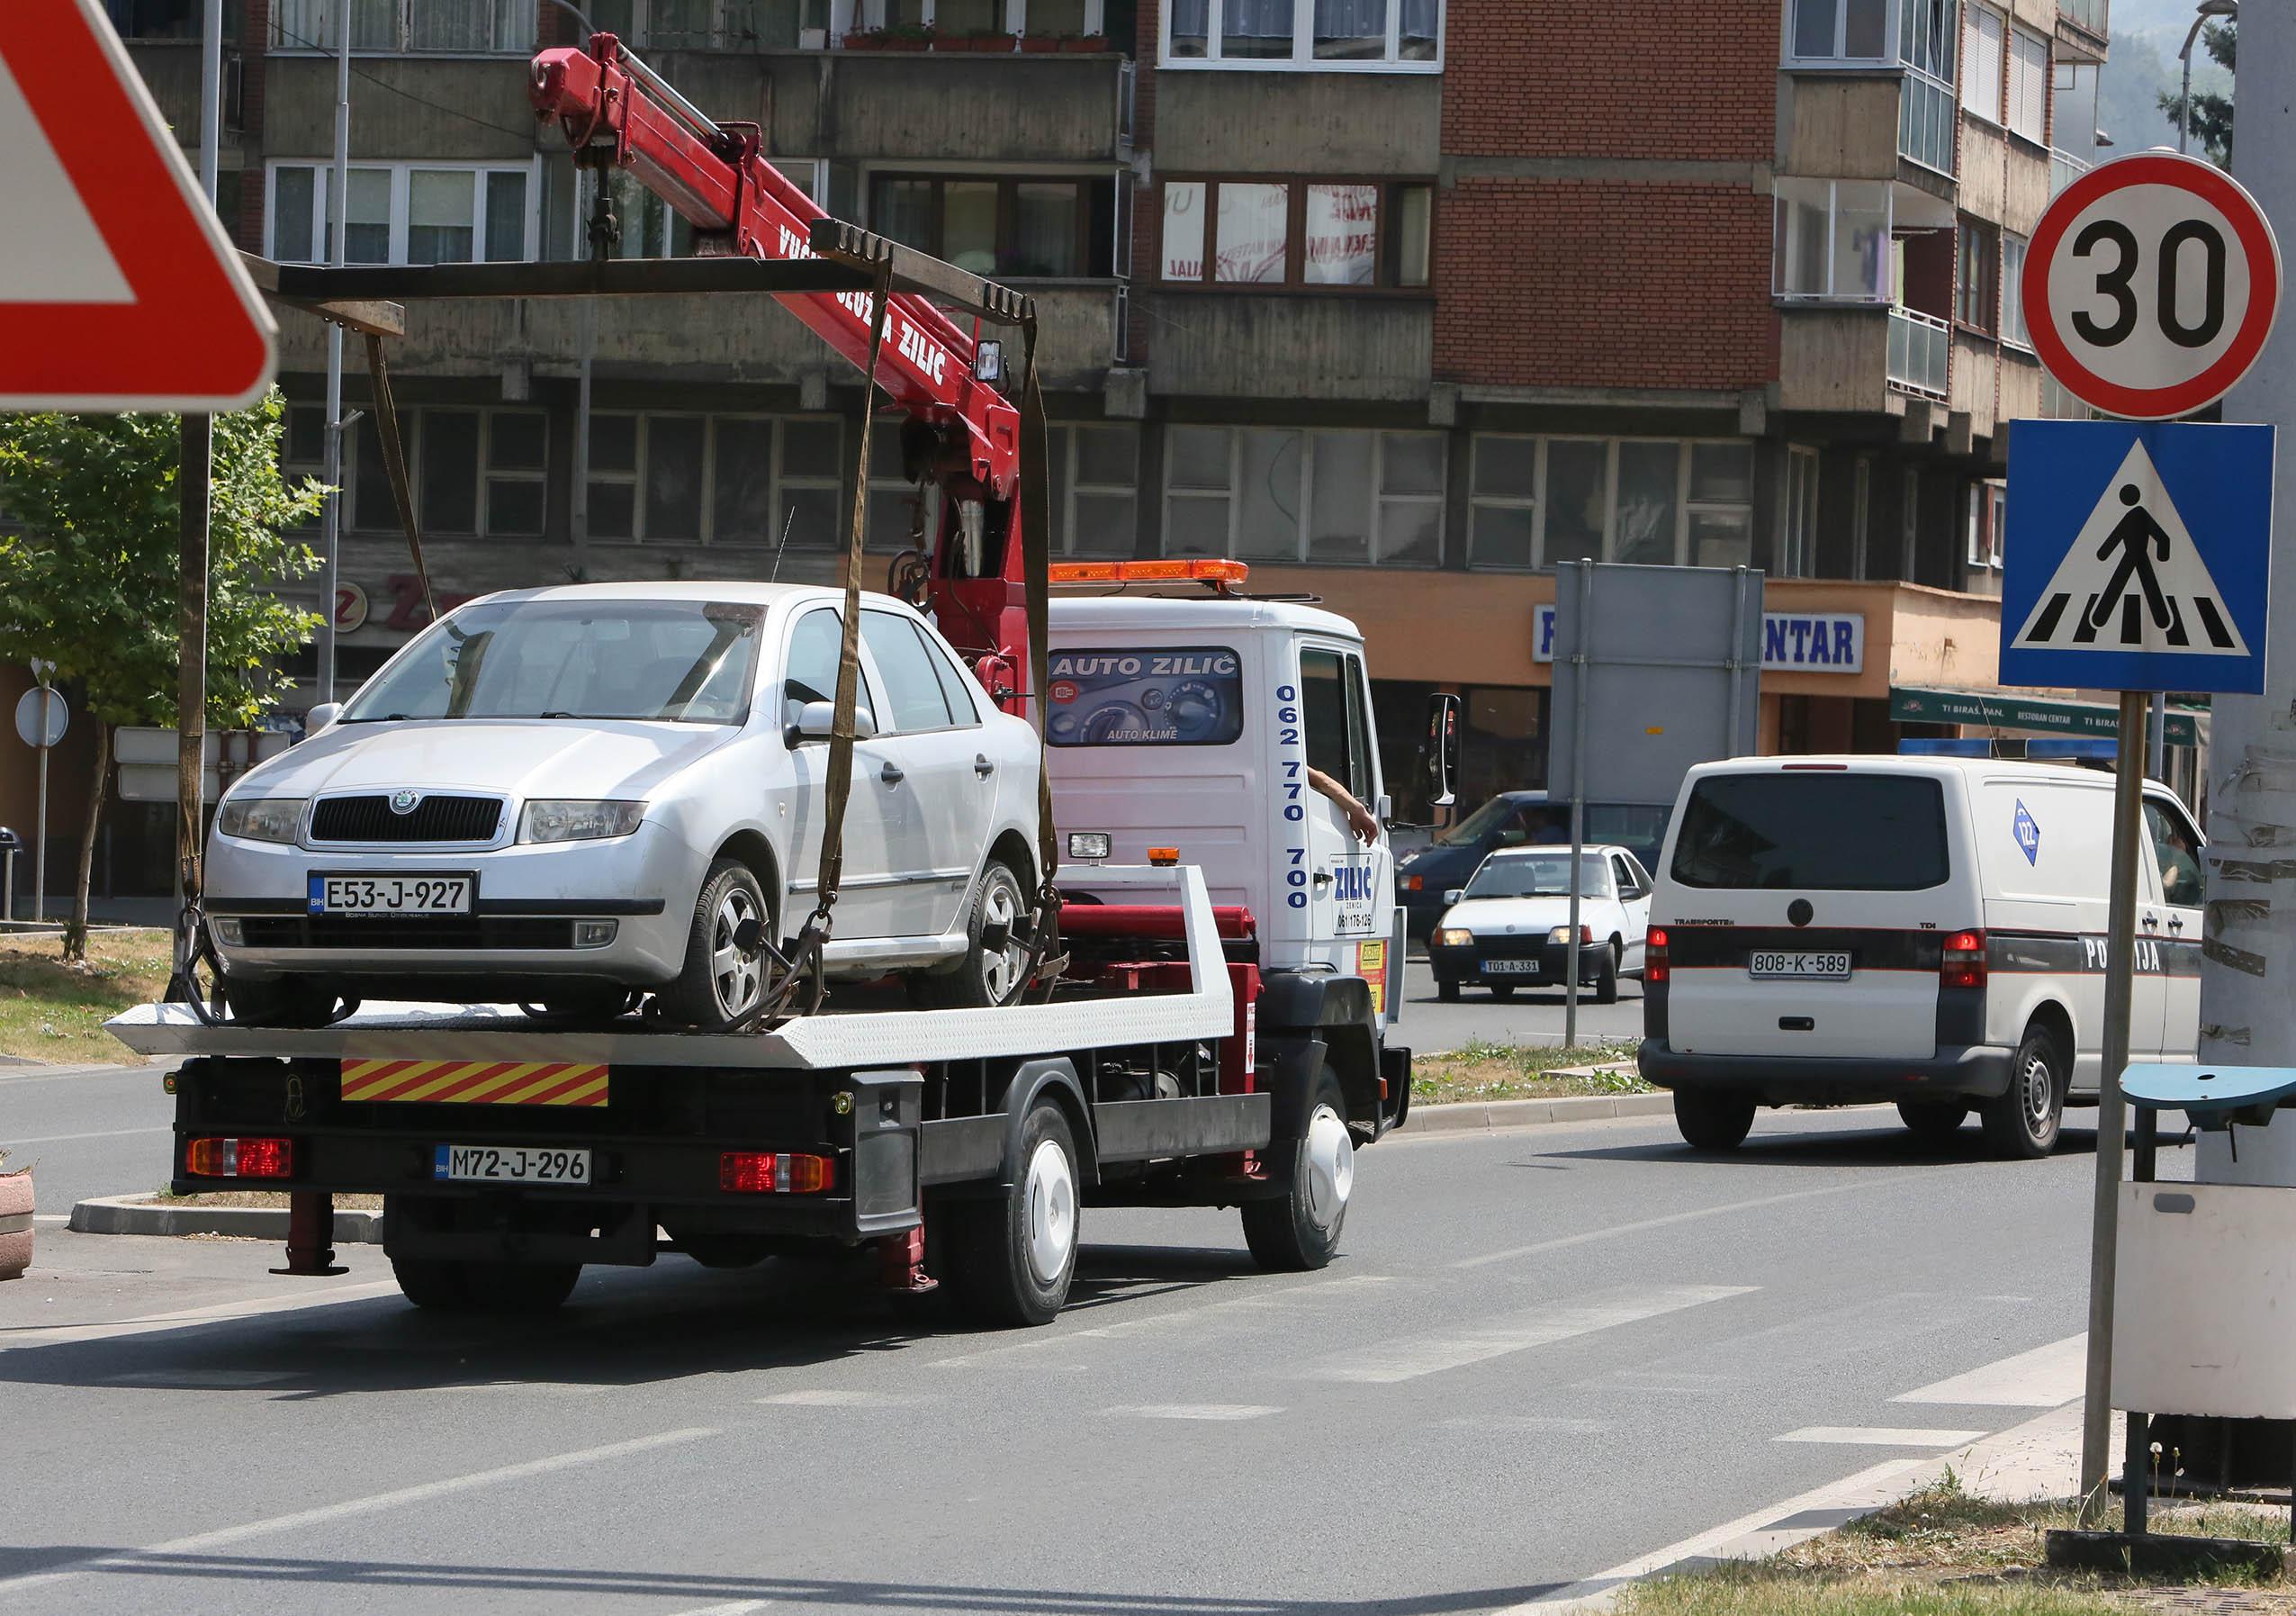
1213, 1024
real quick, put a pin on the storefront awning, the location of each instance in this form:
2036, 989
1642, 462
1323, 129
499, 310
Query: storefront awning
2000, 709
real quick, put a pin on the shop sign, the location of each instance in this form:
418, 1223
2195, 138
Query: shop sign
1793, 642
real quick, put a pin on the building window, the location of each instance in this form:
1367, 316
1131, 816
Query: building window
1861, 499
1797, 541
967, 18
1096, 488
1827, 31
1988, 525
1317, 35
405, 213
1325, 498
1054, 227
710, 24
1832, 240
664, 478
166, 19
1320, 233
1977, 276
1535, 501
1909, 526
451, 27
2012, 290
1982, 46
2029, 85
482, 473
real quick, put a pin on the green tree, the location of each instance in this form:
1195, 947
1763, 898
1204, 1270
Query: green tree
2212, 113
89, 573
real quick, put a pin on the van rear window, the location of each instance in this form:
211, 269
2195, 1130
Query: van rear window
1823, 832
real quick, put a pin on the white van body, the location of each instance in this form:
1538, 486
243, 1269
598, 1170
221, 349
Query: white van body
1859, 928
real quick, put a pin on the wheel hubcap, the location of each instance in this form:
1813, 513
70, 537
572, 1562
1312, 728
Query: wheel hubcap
738, 978
1051, 1210
1000, 913
1330, 1165
2039, 1091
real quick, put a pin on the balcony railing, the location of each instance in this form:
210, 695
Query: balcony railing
1921, 348
2064, 168
1926, 121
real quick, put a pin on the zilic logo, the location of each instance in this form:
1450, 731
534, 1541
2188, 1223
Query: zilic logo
2028, 832
1352, 883
405, 803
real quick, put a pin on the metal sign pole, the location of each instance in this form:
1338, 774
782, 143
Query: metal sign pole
1578, 798
2120, 954
39, 829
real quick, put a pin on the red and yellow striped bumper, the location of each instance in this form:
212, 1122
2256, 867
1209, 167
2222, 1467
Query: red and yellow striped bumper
475, 1082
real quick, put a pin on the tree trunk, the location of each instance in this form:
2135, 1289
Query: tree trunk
75, 935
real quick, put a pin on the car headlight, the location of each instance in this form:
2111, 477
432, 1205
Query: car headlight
261, 819
1454, 936
1561, 935
557, 820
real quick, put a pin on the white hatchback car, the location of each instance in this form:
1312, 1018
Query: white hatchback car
1510, 927
569, 797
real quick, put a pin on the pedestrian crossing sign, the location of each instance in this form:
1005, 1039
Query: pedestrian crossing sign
2139, 555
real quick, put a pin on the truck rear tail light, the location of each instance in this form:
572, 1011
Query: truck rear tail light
767, 1173
1964, 962
239, 1158
1654, 966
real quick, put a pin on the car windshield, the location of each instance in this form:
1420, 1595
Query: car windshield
687, 662
1476, 825
1540, 875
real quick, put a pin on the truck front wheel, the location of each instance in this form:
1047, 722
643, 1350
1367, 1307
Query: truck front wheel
1299, 1229
1013, 1258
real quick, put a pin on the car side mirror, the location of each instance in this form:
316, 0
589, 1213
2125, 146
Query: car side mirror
321, 715
1453, 894
817, 719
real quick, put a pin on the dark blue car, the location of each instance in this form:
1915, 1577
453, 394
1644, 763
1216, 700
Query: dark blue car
1516, 819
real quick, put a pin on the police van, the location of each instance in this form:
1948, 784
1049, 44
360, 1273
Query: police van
1926, 931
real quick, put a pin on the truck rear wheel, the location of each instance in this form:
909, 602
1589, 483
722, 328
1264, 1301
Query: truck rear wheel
458, 1285
1299, 1229
1713, 1122
1013, 1257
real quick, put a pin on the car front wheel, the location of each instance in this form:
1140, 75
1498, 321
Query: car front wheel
722, 983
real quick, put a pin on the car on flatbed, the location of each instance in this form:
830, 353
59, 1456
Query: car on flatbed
572, 797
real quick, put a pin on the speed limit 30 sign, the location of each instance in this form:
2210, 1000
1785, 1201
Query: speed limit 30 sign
2151, 285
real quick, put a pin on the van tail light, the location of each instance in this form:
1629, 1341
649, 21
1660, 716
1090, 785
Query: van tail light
239, 1158
1654, 966
1964, 963
770, 1173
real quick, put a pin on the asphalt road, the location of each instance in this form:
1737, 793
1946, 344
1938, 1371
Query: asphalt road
86, 1133
1533, 1015
1542, 1352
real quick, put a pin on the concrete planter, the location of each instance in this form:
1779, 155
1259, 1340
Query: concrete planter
15, 1223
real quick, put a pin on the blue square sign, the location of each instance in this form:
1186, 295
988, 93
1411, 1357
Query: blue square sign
2139, 556
2028, 832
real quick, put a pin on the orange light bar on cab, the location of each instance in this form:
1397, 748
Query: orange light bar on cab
1216, 572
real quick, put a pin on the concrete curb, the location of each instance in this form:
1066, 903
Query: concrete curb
1484, 1115
132, 1215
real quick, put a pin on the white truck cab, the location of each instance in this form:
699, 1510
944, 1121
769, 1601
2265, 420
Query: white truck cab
1192, 724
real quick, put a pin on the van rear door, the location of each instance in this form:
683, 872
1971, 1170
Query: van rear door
1803, 907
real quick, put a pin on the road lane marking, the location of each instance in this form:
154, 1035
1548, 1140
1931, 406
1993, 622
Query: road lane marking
1879, 1436
740, 1607
422, 1493
108, 1133
1408, 1358
1334, 1288
1558, 1424
1194, 1411
1563, 1242
2046, 1377
826, 1398
17, 1337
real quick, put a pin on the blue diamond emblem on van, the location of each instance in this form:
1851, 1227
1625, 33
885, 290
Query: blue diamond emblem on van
404, 802
2028, 832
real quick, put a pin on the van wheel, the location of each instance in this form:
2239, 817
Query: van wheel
1933, 1121
1446, 989
2022, 1123
1713, 1122
1607, 982
997, 949
1299, 1229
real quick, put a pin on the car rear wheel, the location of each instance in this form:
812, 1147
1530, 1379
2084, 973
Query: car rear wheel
1713, 1122
999, 943
2023, 1123
722, 983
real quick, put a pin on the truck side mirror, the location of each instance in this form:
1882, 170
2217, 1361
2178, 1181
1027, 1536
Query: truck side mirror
1441, 753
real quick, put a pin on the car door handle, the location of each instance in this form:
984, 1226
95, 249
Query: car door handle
890, 775
982, 766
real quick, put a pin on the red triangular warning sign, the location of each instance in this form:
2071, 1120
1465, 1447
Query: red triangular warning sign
118, 288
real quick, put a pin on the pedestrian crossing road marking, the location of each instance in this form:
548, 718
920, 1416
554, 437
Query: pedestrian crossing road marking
2133, 580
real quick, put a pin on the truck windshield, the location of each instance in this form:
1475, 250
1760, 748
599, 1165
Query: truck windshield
687, 662
1150, 696
1540, 875
1810, 831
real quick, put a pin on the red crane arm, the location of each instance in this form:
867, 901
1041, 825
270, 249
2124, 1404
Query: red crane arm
718, 180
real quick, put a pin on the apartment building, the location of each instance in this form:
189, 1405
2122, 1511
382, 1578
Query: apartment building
1400, 301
